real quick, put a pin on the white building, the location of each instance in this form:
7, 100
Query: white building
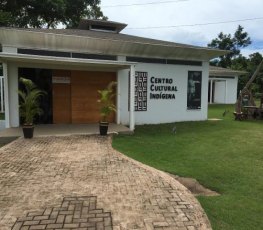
223, 84
166, 81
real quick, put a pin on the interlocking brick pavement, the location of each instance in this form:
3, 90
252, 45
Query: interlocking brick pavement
74, 212
37, 174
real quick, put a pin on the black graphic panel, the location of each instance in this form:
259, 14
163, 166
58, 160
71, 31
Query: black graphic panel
140, 100
140, 91
194, 90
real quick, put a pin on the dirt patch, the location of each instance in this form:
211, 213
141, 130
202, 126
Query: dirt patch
6, 140
194, 186
214, 119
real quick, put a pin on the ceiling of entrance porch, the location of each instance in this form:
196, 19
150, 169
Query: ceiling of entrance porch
23, 60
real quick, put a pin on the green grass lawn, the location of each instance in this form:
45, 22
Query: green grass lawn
225, 156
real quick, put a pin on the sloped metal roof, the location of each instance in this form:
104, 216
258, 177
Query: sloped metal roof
103, 43
103, 35
219, 71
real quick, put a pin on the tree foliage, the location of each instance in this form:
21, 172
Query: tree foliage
249, 65
5, 18
48, 13
232, 43
235, 60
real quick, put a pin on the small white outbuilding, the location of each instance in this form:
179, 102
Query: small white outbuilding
222, 86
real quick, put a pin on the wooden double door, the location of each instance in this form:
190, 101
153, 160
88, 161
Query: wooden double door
75, 95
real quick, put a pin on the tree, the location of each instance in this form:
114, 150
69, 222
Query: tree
253, 62
48, 13
5, 18
234, 43
249, 65
236, 61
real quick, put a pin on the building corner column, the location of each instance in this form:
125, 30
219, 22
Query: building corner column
226, 95
118, 91
6, 94
132, 88
118, 109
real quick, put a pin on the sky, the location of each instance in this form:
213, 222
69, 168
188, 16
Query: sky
175, 19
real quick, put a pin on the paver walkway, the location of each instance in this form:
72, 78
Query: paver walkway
80, 182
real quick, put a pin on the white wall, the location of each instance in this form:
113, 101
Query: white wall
165, 110
2, 125
232, 90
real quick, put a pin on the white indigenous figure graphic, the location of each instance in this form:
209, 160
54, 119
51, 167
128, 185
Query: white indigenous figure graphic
194, 90
191, 87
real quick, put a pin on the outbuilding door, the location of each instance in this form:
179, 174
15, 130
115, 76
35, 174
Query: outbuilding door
220, 92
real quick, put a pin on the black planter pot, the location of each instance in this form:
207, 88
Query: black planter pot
104, 128
28, 131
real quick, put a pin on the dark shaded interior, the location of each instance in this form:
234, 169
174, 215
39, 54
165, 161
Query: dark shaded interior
43, 79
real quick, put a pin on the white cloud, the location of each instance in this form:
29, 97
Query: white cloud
185, 13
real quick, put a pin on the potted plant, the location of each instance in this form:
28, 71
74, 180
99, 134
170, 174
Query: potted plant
106, 97
29, 105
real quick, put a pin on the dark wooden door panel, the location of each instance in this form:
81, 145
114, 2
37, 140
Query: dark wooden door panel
84, 95
61, 98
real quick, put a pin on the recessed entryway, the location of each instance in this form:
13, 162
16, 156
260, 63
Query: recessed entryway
75, 95
71, 95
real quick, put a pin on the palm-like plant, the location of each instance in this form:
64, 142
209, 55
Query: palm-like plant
29, 106
106, 101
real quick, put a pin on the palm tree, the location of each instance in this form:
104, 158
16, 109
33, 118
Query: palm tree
29, 105
106, 106
106, 101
